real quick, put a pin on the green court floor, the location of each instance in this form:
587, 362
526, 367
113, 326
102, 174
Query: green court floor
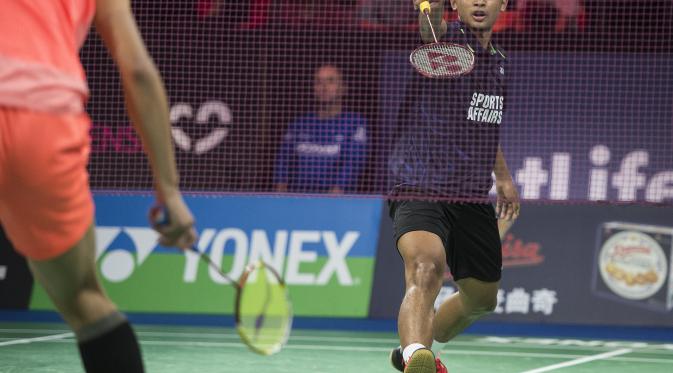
26, 348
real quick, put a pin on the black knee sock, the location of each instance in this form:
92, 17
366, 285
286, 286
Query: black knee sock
116, 350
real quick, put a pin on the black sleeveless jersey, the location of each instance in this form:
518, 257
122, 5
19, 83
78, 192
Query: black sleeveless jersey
450, 128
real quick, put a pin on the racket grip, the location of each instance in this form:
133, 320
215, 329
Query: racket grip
425, 7
159, 216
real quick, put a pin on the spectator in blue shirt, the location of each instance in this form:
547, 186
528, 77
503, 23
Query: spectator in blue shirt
323, 151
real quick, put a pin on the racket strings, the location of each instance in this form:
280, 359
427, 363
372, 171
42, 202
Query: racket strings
264, 311
442, 60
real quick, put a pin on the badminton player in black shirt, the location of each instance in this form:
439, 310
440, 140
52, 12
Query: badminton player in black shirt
441, 172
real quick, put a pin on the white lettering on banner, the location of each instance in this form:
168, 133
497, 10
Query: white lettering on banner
516, 301
260, 249
3, 272
217, 254
192, 258
290, 249
543, 300
337, 257
598, 180
628, 181
298, 256
660, 187
560, 171
531, 178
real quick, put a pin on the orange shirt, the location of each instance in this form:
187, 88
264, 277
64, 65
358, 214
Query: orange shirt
39, 62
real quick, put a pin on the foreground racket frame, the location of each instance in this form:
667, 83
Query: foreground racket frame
240, 286
455, 60
159, 217
441, 60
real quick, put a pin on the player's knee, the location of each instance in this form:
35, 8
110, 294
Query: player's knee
484, 305
426, 273
84, 307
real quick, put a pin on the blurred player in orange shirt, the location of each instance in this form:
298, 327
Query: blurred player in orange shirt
45, 202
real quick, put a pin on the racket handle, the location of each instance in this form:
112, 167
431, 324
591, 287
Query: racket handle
159, 216
425, 7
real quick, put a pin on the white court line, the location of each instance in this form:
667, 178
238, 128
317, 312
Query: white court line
583, 360
36, 339
392, 341
292, 346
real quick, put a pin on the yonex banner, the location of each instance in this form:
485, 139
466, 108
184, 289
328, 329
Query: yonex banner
323, 247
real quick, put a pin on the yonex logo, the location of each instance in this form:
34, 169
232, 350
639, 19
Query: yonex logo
440, 60
117, 263
289, 252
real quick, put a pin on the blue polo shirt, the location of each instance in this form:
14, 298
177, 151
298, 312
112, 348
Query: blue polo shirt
451, 128
318, 154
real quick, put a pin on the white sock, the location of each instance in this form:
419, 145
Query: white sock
437, 347
409, 350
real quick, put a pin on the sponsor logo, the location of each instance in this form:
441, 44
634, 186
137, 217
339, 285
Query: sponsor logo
330, 150
516, 253
518, 300
117, 264
624, 179
446, 62
291, 253
486, 108
123, 139
207, 112
633, 265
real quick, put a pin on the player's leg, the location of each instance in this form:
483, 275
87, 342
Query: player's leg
106, 341
424, 258
476, 264
418, 229
47, 211
473, 300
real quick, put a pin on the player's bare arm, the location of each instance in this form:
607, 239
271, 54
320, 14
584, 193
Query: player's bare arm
507, 205
438, 22
148, 109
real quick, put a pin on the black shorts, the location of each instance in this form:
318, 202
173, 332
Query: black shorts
469, 232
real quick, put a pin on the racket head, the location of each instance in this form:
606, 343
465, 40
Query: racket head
263, 309
442, 60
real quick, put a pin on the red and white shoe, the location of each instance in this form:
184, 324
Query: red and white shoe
398, 362
422, 361
441, 368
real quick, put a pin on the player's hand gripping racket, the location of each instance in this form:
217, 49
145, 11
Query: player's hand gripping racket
441, 60
263, 311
